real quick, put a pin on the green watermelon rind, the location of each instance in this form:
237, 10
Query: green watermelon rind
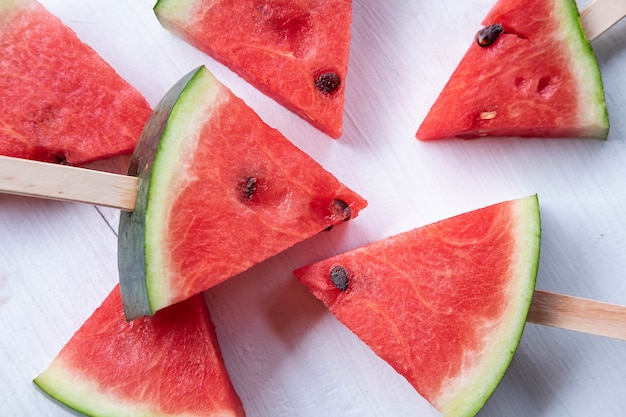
172, 9
585, 64
81, 394
477, 385
132, 227
176, 149
169, 13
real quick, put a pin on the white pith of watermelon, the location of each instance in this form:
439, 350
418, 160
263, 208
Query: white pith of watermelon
414, 300
87, 397
540, 78
591, 103
464, 396
194, 108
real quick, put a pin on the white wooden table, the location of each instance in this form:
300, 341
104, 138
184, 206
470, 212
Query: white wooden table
287, 355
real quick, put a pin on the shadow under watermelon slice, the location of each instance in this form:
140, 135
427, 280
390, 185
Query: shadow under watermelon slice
444, 304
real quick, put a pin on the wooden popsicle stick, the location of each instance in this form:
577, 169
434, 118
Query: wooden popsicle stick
600, 15
62, 182
579, 314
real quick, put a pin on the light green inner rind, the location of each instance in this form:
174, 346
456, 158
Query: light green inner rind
83, 395
174, 15
169, 176
584, 65
466, 394
10, 8
171, 8
131, 235
86, 396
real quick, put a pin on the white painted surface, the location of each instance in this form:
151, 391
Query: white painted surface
287, 355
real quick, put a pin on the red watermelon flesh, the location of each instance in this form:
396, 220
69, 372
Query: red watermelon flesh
226, 191
282, 47
444, 304
166, 365
60, 101
539, 78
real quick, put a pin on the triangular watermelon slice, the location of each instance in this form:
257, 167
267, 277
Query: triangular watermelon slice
166, 365
535, 76
60, 101
293, 51
225, 192
444, 304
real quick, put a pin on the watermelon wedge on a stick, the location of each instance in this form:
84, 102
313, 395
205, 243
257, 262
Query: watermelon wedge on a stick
530, 72
166, 365
219, 191
444, 304
60, 101
293, 51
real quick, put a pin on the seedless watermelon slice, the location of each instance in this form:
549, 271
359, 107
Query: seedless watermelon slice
60, 101
294, 51
444, 304
538, 78
225, 191
166, 365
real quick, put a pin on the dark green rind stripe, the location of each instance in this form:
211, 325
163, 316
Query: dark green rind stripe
131, 241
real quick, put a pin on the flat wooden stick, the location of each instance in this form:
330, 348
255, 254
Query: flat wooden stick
600, 15
62, 182
580, 314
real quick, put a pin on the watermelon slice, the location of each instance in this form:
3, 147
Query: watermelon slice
166, 365
444, 304
293, 51
534, 76
225, 191
60, 101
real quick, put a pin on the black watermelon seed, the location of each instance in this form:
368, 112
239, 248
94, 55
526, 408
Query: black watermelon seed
489, 34
328, 82
248, 186
60, 159
341, 209
339, 277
